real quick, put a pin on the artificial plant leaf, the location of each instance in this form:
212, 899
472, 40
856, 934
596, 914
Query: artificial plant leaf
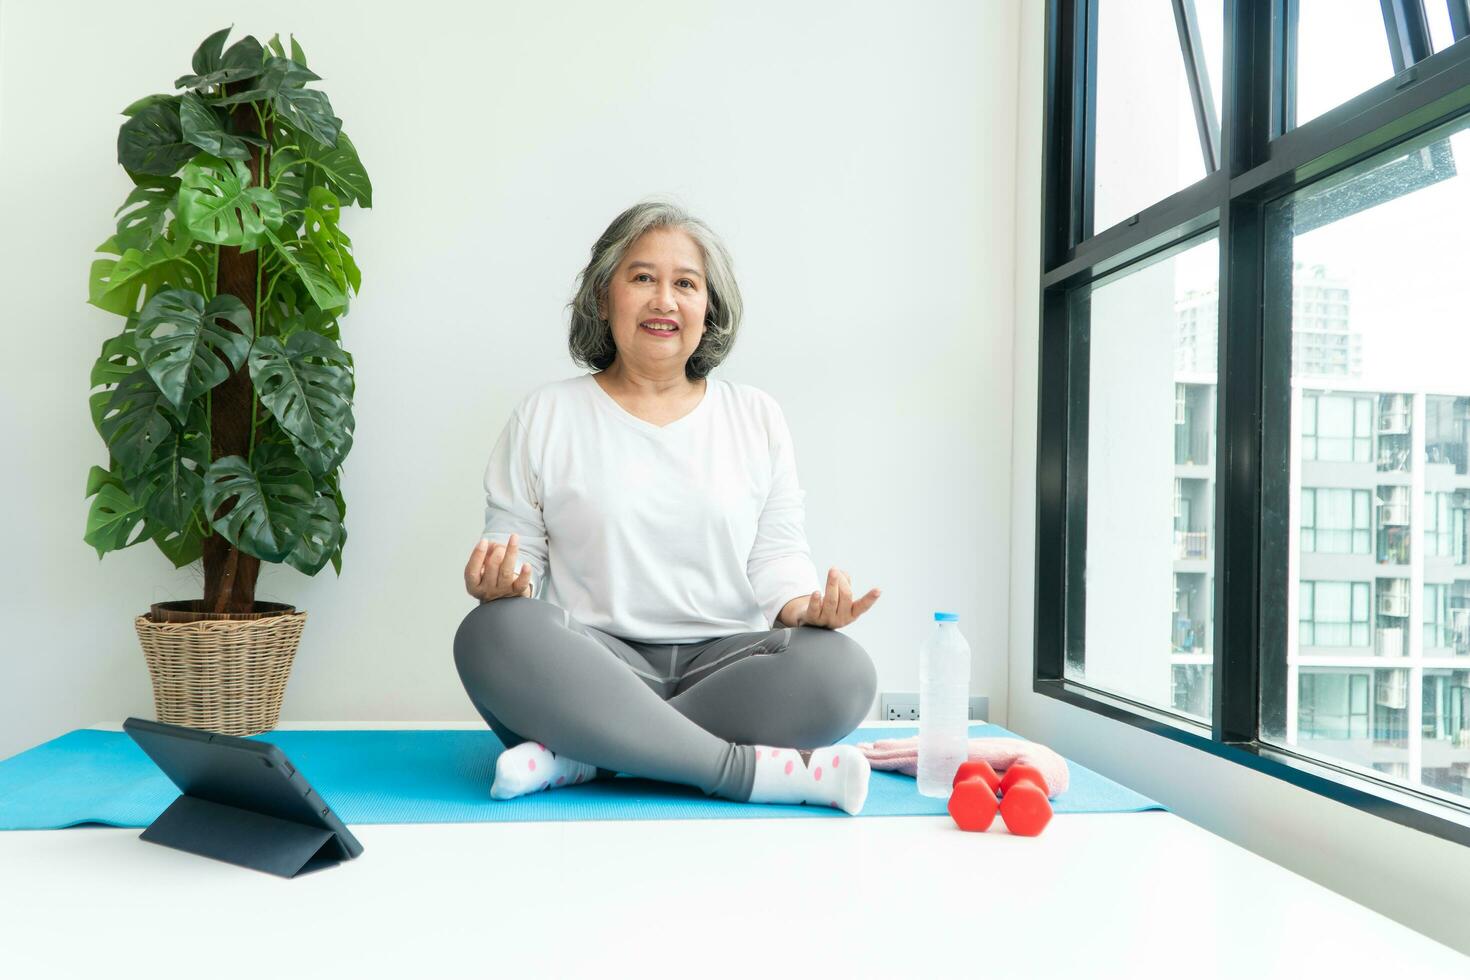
171, 484
181, 547
244, 53
345, 173
142, 218
270, 501
329, 240
204, 126
206, 56
119, 357
152, 141
277, 74
135, 421
333, 481
121, 285
322, 461
112, 518
97, 478
308, 110
134, 108
243, 61
180, 342
307, 265
319, 536
337, 167
315, 320
289, 172
217, 204
304, 383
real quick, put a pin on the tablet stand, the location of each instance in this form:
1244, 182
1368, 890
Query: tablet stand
244, 837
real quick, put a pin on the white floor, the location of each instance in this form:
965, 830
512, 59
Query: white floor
1135, 895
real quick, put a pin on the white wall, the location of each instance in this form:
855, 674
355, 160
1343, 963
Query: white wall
1407, 875
856, 157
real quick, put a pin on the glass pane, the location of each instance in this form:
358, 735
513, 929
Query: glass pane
1342, 50
1146, 143
1441, 35
1380, 446
1150, 508
1356, 715
1446, 732
1210, 16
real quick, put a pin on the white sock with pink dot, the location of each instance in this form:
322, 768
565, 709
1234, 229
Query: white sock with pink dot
531, 766
834, 776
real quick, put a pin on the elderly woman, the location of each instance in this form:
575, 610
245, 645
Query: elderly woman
648, 602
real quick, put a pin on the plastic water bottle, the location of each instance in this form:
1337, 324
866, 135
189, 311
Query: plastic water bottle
944, 705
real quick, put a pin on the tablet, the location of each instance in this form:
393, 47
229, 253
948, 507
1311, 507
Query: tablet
244, 773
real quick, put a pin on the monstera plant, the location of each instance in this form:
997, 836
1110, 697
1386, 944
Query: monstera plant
225, 401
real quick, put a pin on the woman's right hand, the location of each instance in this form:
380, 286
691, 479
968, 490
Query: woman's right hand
491, 572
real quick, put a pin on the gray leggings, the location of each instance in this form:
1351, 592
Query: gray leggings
685, 713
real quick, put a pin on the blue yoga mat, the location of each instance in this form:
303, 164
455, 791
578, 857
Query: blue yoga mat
91, 776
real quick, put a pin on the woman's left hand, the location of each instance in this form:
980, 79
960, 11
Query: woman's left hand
836, 608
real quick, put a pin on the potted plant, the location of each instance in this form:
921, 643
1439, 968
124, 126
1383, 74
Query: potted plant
226, 400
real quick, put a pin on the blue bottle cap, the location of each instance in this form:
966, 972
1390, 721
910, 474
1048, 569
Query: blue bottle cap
946, 617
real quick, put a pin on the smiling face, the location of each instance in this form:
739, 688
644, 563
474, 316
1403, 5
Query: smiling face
659, 285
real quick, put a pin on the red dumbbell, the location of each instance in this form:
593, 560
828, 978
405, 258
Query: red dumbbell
1023, 804
972, 803
979, 767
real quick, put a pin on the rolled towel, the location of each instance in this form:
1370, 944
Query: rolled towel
902, 755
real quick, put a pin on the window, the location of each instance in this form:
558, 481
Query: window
1147, 58
1157, 558
1400, 308
1446, 731
1334, 704
1341, 50
1253, 415
1336, 428
1438, 633
1336, 520
1334, 614
1449, 21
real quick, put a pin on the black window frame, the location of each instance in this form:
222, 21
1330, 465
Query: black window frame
1262, 157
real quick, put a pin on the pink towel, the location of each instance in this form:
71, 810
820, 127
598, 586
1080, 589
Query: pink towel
902, 755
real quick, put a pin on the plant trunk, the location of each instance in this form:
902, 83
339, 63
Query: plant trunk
229, 573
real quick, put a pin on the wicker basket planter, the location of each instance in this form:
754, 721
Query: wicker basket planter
219, 672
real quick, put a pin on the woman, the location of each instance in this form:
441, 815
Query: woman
682, 633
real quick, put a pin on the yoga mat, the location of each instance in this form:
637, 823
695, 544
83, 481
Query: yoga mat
400, 776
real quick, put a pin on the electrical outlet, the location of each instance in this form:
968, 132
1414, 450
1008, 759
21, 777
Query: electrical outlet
900, 707
905, 707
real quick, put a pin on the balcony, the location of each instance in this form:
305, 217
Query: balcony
1391, 690
1394, 412
1189, 635
1393, 423
1393, 459
1393, 604
1191, 544
1459, 631
1394, 513
1389, 643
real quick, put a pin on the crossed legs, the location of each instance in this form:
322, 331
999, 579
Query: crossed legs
535, 673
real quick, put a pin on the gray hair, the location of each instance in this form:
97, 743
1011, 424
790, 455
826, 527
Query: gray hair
590, 338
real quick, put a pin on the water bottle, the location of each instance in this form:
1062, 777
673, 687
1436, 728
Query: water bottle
944, 705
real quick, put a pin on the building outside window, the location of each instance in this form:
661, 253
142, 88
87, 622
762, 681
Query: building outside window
1337, 428
1336, 521
1334, 614
1333, 704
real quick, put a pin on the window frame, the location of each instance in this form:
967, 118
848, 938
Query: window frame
1262, 158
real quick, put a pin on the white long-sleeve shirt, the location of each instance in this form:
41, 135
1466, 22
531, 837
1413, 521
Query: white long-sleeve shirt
671, 534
